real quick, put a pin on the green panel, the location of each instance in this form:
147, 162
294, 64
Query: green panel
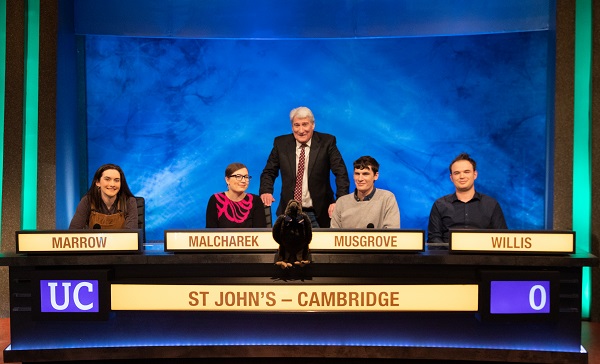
30, 112
582, 147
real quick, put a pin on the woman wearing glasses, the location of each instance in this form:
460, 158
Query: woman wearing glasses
235, 208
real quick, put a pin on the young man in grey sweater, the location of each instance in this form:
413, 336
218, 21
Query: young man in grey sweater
367, 207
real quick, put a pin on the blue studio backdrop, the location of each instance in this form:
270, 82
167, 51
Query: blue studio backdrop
407, 85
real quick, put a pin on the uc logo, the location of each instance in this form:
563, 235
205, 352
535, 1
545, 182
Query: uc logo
69, 295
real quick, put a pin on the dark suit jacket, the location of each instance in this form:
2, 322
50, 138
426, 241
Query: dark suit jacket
324, 157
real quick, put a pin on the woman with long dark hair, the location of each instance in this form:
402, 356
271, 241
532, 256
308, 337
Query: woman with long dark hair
108, 204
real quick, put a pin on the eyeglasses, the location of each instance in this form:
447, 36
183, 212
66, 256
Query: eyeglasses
239, 177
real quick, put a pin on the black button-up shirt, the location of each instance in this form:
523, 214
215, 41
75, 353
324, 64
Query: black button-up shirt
448, 212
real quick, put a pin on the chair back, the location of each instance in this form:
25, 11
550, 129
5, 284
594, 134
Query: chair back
268, 216
141, 210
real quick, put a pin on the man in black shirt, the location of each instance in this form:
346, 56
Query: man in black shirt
463, 209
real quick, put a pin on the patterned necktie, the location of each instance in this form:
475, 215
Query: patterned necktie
299, 175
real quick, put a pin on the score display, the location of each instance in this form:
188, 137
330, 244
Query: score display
519, 297
519, 294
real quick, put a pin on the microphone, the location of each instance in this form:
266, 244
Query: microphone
97, 226
370, 225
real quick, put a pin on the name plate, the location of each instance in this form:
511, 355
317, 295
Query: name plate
78, 241
313, 298
513, 241
384, 240
368, 239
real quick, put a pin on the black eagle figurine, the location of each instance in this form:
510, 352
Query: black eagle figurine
293, 232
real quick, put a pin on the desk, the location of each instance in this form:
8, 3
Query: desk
270, 336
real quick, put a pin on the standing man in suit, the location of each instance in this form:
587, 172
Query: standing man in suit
316, 154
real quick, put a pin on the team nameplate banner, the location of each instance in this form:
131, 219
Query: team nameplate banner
511, 241
384, 240
294, 298
78, 241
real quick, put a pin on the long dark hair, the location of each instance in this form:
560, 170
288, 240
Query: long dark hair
94, 196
